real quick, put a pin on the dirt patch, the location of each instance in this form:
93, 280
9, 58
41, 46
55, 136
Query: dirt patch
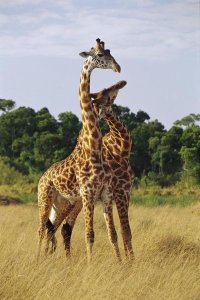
6, 200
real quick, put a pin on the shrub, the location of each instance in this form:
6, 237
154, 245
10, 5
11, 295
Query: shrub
9, 175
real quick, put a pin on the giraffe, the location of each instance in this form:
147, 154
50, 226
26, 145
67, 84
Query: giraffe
116, 149
84, 177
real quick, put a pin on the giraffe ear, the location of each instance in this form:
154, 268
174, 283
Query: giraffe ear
84, 54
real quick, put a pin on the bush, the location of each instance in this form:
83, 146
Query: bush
161, 180
9, 175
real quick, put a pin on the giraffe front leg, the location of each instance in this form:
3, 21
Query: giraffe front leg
108, 215
88, 210
122, 208
112, 234
89, 231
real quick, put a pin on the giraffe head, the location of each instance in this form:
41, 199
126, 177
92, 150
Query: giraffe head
101, 58
103, 100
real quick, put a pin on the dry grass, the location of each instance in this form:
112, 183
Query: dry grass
167, 265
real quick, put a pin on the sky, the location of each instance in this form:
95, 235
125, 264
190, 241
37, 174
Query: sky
156, 43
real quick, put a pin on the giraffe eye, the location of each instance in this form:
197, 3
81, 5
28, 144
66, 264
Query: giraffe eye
100, 54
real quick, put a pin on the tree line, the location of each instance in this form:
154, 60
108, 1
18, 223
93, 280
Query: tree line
30, 141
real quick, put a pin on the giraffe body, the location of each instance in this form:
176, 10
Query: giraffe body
116, 150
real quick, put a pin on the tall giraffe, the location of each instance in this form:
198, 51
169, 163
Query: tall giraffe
116, 149
89, 169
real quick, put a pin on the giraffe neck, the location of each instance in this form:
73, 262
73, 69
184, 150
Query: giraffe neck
118, 136
91, 129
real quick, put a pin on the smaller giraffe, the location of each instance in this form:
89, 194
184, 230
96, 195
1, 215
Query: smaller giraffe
116, 150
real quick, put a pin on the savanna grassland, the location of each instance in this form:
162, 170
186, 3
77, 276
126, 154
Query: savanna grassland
167, 264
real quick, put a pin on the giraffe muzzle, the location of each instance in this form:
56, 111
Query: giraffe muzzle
117, 68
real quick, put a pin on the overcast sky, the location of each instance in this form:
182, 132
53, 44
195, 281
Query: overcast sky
156, 42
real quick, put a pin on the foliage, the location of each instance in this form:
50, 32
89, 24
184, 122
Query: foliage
188, 121
6, 105
30, 141
9, 175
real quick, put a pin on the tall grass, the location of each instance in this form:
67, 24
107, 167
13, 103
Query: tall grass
166, 266
159, 200
174, 195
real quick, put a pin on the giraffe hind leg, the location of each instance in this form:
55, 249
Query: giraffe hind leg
67, 228
66, 232
59, 211
45, 201
50, 238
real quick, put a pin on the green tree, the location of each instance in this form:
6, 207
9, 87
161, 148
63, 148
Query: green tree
14, 125
45, 122
6, 105
45, 145
128, 118
191, 164
188, 121
142, 136
69, 128
31, 141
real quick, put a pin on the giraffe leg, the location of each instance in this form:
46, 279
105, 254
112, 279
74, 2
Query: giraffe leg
88, 210
108, 215
122, 208
45, 201
59, 211
50, 237
112, 234
67, 228
89, 231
